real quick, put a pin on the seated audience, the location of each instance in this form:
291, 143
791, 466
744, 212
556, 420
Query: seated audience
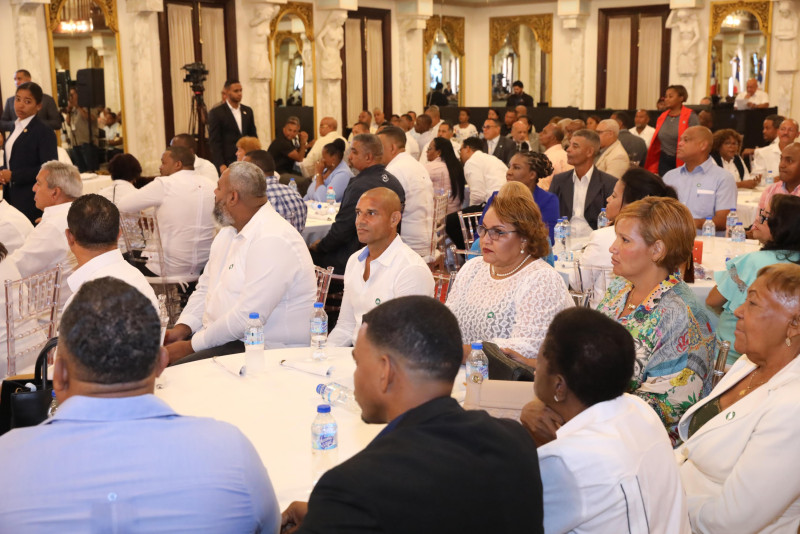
330, 171
509, 295
781, 228
662, 154
328, 133
702, 186
613, 158
407, 124
384, 269
423, 130
445, 131
551, 138
526, 168
752, 97
484, 173
126, 462
592, 121
464, 129
605, 458
92, 233
675, 344
570, 128
739, 464
509, 118
634, 145
642, 128
288, 149
124, 170
770, 133
582, 192
778, 135
286, 201
788, 182
201, 166
14, 226
495, 143
725, 153
245, 145
447, 174
519, 135
183, 203
407, 357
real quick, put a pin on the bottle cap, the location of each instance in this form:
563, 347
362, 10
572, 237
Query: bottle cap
52, 394
739, 223
320, 387
254, 315
323, 408
477, 346
602, 209
708, 218
318, 305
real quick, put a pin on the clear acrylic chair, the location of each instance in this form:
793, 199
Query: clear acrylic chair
588, 283
469, 226
442, 283
31, 315
323, 282
436, 256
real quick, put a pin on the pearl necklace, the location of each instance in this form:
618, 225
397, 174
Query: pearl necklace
493, 272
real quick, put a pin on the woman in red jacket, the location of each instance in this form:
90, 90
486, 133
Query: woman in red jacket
669, 128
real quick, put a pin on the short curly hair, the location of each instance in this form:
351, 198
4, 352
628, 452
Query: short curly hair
124, 167
720, 136
514, 204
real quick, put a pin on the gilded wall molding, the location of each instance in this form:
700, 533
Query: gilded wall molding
761, 10
281, 35
303, 11
109, 8
541, 25
453, 30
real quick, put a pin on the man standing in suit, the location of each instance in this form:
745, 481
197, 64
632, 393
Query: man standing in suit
48, 113
518, 96
495, 144
227, 124
582, 192
421, 472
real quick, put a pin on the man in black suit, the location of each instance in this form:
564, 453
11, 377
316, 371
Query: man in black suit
495, 144
227, 124
582, 192
518, 96
48, 113
435, 467
30, 144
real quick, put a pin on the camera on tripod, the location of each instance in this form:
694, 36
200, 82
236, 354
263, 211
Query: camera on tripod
195, 74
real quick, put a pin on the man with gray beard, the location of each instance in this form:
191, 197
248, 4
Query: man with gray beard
258, 263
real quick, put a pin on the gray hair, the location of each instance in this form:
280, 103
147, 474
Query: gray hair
371, 144
611, 124
64, 176
591, 137
247, 179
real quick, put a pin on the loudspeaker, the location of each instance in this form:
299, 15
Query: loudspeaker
91, 88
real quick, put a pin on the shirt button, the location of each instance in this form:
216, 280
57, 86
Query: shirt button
112, 497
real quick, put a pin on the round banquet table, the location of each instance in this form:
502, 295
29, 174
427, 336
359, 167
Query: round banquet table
92, 183
747, 204
317, 222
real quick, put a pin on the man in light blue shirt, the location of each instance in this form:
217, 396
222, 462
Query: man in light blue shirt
114, 458
705, 188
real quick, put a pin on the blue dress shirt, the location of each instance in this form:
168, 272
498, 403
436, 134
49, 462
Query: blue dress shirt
338, 179
707, 189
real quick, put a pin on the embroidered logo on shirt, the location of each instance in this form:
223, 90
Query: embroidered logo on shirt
730, 415
377, 301
230, 266
384, 178
490, 315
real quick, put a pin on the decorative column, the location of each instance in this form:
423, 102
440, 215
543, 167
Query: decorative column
688, 51
411, 26
260, 16
329, 42
29, 31
784, 54
573, 14
110, 72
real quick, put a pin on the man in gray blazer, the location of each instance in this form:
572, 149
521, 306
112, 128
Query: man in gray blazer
495, 144
48, 114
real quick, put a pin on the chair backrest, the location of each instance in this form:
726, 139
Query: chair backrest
442, 282
31, 314
142, 238
721, 362
589, 283
500, 398
323, 282
438, 234
469, 226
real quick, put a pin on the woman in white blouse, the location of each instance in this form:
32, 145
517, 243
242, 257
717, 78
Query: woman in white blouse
610, 467
725, 152
510, 294
446, 172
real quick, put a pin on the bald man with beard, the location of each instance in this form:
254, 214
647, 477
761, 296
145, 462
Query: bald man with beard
328, 133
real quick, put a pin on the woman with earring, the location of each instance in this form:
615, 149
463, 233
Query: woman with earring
510, 294
739, 463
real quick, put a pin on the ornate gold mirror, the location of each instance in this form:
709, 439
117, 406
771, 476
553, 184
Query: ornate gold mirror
82, 34
520, 48
443, 59
739, 46
292, 52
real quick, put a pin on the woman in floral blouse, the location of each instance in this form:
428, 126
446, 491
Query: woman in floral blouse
675, 343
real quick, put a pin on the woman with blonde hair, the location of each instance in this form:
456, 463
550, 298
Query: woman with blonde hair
246, 144
510, 294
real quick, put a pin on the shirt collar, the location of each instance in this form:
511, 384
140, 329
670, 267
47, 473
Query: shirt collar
233, 109
387, 256
272, 179
702, 168
596, 413
253, 224
55, 211
587, 175
85, 271
23, 123
80, 408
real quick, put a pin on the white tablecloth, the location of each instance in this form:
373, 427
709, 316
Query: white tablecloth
317, 224
92, 183
747, 204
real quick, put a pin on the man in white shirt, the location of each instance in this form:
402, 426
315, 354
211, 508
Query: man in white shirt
445, 131
124, 169
412, 147
183, 203
57, 185
417, 227
768, 158
259, 263
201, 166
92, 234
551, 138
436, 117
14, 226
384, 269
328, 133
642, 127
752, 98
423, 130
485, 174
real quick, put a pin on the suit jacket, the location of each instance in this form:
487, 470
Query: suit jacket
742, 452
635, 146
505, 149
438, 469
600, 188
34, 146
49, 114
223, 133
614, 160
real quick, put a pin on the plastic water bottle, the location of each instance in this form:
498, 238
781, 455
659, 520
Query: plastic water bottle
736, 242
293, 185
602, 219
709, 231
730, 222
336, 394
559, 247
163, 316
769, 179
324, 442
330, 196
568, 239
319, 332
477, 364
254, 344
51, 411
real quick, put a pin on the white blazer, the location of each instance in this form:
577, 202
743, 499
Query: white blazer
741, 470
614, 160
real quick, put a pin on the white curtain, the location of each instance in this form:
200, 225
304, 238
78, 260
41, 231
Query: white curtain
374, 48
355, 95
649, 77
179, 23
212, 32
619, 63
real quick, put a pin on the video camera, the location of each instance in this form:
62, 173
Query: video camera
195, 74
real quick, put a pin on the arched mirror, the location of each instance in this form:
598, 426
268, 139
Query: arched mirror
87, 79
443, 60
520, 48
292, 52
739, 47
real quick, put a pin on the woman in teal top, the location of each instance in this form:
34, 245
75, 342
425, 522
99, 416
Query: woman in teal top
781, 245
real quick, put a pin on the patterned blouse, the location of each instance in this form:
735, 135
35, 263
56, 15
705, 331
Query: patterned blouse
675, 346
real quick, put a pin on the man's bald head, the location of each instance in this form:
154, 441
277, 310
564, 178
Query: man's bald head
387, 198
694, 145
327, 125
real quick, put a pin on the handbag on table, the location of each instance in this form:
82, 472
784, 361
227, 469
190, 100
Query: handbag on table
21, 405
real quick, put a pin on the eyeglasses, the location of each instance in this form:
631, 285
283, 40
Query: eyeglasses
763, 216
494, 233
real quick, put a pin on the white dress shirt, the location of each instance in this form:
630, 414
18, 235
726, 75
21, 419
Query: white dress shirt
491, 144
463, 133
265, 268
646, 134
111, 264
596, 269
14, 227
184, 204
46, 246
758, 98
423, 155
25, 363
207, 169
416, 228
611, 469
398, 272
315, 154
118, 190
485, 174
412, 147
767, 158
237, 114
19, 126
579, 225
558, 157
422, 139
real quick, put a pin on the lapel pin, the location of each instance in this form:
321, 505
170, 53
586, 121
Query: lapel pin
25, 130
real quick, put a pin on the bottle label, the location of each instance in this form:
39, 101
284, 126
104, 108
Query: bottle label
318, 326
